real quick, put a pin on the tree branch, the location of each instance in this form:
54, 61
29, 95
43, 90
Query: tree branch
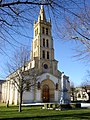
13, 10
25, 2
1, 20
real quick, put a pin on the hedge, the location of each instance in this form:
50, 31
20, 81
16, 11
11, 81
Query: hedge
62, 106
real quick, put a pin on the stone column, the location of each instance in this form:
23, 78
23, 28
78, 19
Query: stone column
62, 89
64, 98
35, 88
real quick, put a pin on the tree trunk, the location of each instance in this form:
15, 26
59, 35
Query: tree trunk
20, 102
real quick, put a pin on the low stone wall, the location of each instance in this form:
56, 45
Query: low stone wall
85, 105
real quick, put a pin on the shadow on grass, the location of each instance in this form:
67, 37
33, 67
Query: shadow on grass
82, 116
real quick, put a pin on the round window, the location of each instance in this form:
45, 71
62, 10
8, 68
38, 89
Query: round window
45, 66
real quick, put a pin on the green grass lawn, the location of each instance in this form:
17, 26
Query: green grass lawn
36, 113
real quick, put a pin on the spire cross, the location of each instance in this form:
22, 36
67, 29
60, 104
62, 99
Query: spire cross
41, 6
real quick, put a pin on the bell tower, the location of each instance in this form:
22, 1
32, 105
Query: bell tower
42, 45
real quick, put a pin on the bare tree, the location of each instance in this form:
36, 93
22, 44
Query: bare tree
21, 77
77, 28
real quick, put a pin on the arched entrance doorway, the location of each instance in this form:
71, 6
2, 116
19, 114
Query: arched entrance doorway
45, 93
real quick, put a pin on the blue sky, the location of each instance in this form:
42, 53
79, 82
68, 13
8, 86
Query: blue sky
76, 70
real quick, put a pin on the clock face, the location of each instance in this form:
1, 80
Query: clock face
45, 66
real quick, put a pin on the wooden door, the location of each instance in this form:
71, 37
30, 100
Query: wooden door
45, 94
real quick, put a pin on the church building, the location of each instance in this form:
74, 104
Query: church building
51, 84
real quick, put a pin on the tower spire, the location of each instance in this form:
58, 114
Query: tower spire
42, 13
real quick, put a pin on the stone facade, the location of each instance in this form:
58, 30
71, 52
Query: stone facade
82, 94
48, 87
